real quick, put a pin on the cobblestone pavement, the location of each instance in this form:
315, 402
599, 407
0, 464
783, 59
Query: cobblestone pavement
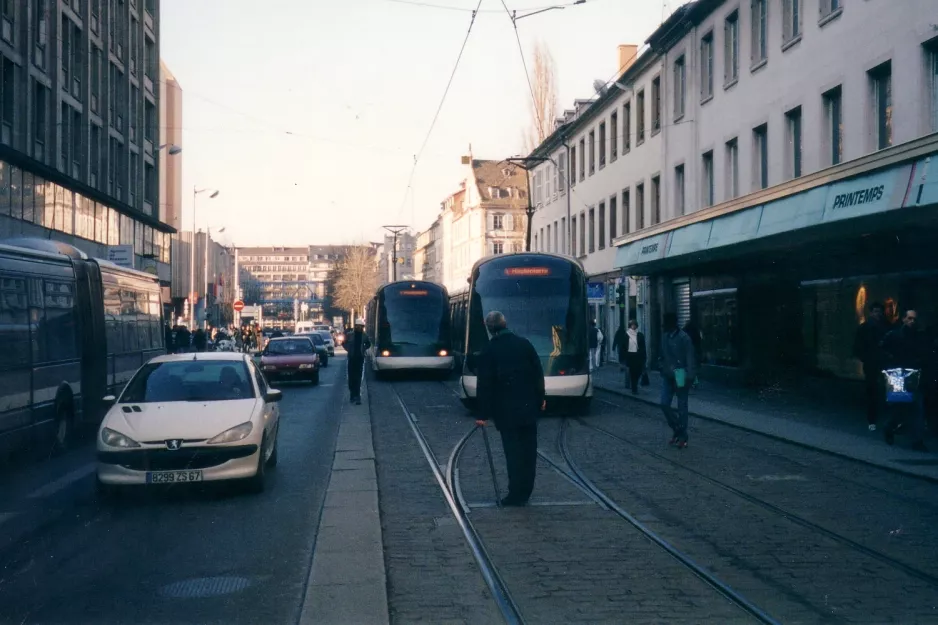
564, 558
796, 573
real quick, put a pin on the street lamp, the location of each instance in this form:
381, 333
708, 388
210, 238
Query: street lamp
195, 192
173, 148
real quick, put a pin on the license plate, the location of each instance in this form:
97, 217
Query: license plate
287, 373
173, 477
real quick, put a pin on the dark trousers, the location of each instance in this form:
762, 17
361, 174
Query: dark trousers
875, 392
355, 368
634, 362
676, 420
520, 445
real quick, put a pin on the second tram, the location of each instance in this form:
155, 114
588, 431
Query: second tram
409, 327
543, 297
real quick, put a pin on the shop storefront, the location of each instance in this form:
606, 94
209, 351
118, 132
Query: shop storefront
778, 285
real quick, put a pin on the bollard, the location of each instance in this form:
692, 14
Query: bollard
488, 451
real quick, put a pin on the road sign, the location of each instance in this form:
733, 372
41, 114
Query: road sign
238, 306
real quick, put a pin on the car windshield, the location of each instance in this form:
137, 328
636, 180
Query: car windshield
326, 335
289, 347
189, 380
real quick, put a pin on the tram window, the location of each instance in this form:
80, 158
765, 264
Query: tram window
14, 323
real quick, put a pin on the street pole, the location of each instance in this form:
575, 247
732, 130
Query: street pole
394, 230
195, 193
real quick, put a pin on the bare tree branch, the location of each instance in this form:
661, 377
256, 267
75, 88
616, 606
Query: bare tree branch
544, 103
356, 278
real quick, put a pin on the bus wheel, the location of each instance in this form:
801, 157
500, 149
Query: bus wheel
64, 423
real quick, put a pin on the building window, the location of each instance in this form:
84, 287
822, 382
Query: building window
626, 212
640, 117
760, 20
583, 233
134, 113
150, 129
583, 159
95, 15
134, 44
7, 15
566, 237
8, 98
732, 169
760, 166
95, 160
613, 219
613, 135
592, 146
64, 60
592, 231
707, 181
655, 200
95, 77
40, 126
562, 175
548, 240
498, 222
680, 86
41, 34
791, 20
602, 225
639, 206
931, 56
602, 145
731, 54
706, 67
556, 247
679, 190
626, 127
77, 144
828, 7
573, 236
793, 123
881, 85
573, 166
656, 104
65, 142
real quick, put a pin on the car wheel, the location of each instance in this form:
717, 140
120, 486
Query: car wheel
64, 423
272, 461
314, 378
255, 484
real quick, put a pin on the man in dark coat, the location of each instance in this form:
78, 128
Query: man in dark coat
511, 393
866, 348
906, 347
356, 345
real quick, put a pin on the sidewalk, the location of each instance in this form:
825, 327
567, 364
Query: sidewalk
823, 425
347, 583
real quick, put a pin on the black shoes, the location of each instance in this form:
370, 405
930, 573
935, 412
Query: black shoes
513, 502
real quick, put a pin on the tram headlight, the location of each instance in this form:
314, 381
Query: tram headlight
385, 353
443, 352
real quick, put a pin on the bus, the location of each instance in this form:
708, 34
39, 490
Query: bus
73, 329
408, 325
543, 298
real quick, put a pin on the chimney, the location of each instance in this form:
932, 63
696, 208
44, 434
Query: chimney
627, 54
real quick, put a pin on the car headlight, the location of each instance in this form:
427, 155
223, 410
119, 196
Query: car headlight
306, 366
237, 433
115, 439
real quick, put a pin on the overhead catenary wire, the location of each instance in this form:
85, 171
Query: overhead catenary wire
436, 116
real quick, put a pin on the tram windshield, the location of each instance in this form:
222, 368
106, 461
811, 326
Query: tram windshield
543, 300
412, 316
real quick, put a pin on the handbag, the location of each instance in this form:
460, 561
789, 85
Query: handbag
901, 385
680, 378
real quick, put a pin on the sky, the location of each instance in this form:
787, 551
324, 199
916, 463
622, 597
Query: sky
307, 115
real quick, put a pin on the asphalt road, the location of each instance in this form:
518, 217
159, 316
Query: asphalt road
212, 555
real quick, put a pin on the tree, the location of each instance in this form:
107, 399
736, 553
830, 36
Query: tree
356, 279
544, 98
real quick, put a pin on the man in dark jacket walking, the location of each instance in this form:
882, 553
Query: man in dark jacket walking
356, 345
630, 345
906, 348
511, 393
678, 369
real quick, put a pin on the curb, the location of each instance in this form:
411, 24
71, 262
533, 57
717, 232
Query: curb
831, 452
347, 582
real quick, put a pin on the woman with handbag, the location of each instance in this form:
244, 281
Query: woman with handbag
678, 370
630, 346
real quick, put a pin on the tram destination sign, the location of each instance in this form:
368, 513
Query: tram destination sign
527, 272
412, 293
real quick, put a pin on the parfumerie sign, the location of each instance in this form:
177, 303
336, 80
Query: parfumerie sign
856, 198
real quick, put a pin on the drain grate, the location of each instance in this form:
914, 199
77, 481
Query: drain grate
205, 587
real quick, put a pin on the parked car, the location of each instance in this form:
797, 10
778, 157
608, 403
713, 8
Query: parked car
290, 358
185, 418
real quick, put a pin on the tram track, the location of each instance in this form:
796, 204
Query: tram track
448, 479
770, 507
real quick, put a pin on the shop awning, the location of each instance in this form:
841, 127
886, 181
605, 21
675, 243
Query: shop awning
822, 211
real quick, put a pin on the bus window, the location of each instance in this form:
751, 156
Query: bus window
59, 327
14, 322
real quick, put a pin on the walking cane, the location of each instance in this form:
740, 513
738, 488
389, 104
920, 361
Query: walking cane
488, 451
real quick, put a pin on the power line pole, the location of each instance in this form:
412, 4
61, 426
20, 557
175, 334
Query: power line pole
394, 230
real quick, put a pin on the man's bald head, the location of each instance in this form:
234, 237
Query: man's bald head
495, 321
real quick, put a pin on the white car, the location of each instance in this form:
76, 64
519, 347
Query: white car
328, 340
190, 418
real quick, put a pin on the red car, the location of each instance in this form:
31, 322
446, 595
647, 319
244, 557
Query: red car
290, 358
